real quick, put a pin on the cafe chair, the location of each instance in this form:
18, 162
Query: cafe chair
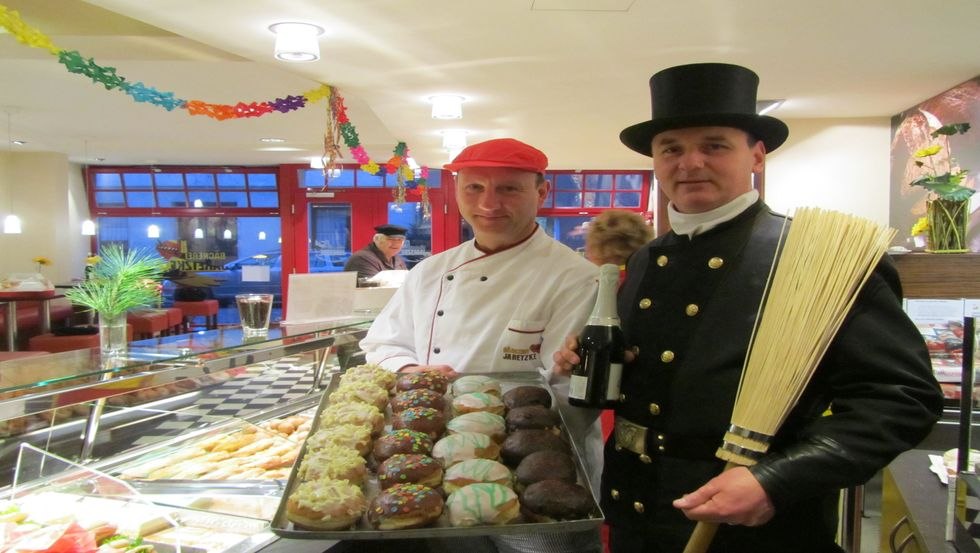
203, 308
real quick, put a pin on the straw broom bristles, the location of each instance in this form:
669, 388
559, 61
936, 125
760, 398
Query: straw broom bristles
826, 259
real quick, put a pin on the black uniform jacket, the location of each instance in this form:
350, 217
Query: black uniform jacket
369, 261
689, 305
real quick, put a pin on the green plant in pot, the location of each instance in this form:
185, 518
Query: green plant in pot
118, 282
948, 205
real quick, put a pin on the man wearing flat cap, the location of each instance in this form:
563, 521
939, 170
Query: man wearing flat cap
688, 305
381, 254
502, 302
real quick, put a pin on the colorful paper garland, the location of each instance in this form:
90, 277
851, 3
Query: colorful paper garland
107, 76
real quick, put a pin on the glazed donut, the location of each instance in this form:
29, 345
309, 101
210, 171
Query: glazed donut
326, 505
472, 471
409, 469
421, 419
476, 383
545, 465
531, 417
554, 500
365, 392
362, 414
483, 503
527, 395
477, 401
374, 373
465, 445
405, 506
482, 422
431, 380
419, 397
522, 443
351, 436
401, 441
333, 463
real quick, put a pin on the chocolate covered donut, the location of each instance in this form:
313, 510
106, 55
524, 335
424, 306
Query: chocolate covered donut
401, 441
522, 443
421, 419
532, 417
410, 469
527, 395
430, 380
405, 506
554, 500
419, 397
545, 465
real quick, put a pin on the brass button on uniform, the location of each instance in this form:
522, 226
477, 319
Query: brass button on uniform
716, 262
662, 260
691, 309
614, 493
638, 507
645, 458
667, 356
618, 447
622, 398
645, 303
654, 409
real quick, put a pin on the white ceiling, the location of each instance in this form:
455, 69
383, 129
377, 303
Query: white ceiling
564, 75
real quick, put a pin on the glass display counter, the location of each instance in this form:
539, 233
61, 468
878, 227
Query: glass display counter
37, 393
205, 425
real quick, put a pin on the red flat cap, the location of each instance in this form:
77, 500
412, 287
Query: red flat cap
501, 152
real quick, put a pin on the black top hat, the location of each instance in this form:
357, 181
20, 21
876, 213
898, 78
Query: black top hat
704, 95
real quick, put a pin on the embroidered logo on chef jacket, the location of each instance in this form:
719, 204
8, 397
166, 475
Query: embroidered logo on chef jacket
522, 341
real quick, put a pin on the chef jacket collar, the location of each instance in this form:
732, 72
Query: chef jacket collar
693, 224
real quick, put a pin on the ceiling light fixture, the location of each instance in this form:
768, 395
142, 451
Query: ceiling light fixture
261, 235
272, 140
316, 162
198, 233
453, 139
153, 231
447, 106
227, 234
296, 41
88, 227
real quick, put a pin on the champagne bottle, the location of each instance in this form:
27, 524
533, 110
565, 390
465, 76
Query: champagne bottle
595, 379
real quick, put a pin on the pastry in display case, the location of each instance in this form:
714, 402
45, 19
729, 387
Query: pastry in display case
432, 471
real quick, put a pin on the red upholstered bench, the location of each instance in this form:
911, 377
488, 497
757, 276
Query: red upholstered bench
53, 344
148, 323
203, 308
175, 320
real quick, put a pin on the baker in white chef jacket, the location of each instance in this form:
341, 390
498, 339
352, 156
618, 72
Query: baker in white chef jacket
501, 302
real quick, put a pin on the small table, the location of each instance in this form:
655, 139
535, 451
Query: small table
11, 298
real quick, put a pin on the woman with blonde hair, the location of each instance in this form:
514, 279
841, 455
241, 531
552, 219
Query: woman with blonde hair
614, 235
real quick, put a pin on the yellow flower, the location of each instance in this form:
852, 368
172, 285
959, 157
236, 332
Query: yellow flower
920, 227
41, 260
929, 151
92, 260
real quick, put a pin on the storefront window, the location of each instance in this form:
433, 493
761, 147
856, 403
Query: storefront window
220, 256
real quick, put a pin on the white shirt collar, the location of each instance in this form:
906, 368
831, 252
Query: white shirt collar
693, 224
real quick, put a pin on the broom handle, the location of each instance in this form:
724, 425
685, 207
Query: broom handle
704, 532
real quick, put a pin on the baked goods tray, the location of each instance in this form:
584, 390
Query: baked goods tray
282, 527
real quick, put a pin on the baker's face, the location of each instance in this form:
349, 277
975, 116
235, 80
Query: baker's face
391, 245
499, 203
702, 168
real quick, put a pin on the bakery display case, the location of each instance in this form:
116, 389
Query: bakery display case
201, 428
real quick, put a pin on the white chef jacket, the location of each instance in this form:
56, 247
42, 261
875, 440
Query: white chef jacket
500, 312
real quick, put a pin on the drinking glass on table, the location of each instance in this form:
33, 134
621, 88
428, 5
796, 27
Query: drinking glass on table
254, 310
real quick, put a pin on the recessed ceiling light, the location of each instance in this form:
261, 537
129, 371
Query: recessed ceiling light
447, 106
18, 142
274, 140
296, 41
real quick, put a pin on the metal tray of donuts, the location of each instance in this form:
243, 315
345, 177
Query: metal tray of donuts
367, 518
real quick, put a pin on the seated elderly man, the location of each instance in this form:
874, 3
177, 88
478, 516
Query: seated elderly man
381, 254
